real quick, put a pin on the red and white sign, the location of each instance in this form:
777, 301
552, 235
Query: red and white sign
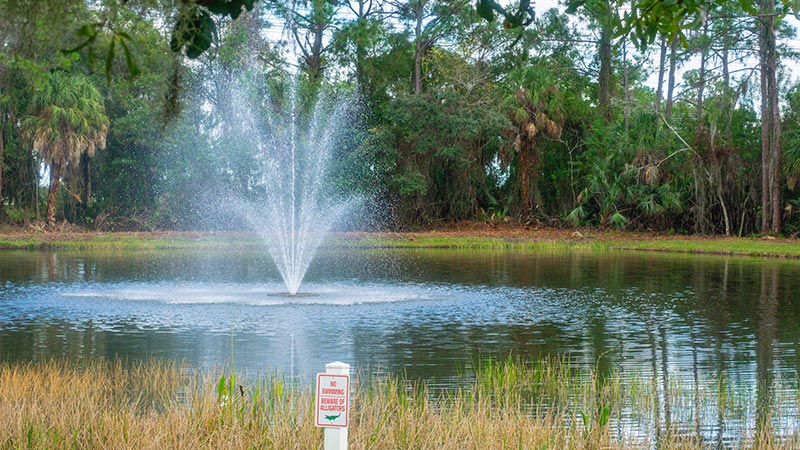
333, 400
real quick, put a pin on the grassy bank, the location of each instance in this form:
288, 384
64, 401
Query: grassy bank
481, 239
126, 241
546, 405
634, 242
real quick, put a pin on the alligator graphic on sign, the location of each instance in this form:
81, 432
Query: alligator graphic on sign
332, 418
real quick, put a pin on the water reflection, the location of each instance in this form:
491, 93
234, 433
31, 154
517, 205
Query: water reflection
765, 337
716, 338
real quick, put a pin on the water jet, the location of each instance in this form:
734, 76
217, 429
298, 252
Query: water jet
299, 205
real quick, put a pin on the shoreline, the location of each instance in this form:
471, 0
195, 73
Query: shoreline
472, 236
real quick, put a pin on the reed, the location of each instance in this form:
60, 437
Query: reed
503, 405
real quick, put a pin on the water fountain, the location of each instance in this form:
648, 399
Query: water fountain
299, 207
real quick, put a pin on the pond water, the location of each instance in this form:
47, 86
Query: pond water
427, 314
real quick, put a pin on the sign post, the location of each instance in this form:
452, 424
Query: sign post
333, 404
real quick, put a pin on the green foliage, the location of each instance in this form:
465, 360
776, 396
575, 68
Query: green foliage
440, 137
792, 137
522, 16
19, 216
67, 118
194, 31
628, 177
645, 20
503, 124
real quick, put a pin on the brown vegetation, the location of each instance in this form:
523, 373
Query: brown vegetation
92, 405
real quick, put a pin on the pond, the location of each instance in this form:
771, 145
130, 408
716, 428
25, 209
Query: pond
679, 320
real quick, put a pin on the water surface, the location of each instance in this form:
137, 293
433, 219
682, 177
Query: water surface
430, 314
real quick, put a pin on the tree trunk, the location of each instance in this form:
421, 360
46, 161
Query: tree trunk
2, 163
701, 86
673, 62
52, 197
3, 83
418, 50
361, 57
662, 68
87, 179
604, 82
765, 153
315, 61
35, 172
726, 86
770, 122
524, 182
626, 87
775, 129
725, 215
87, 185
714, 176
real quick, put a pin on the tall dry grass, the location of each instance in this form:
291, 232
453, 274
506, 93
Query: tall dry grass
546, 405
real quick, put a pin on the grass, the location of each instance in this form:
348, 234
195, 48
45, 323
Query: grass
123, 241
508, 405
513, 240
713, 246
719, 246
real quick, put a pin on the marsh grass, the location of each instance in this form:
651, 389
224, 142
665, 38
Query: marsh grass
505, 405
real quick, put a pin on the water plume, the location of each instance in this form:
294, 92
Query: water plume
298, 205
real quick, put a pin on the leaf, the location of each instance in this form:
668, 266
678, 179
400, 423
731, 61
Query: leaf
82, 45
174, 43
181, 32
576, 216
603, 415
222, 8
617, 220
485, 10
133, 68
110, 58
221, 386
88, 30
573, 5
202, 36
749, 6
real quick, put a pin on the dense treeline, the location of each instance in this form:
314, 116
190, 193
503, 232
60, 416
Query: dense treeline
555, 122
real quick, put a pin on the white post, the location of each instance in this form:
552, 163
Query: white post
336, 437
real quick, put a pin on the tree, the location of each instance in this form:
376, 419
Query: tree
647, 18
430, 20
536, 116
68, 120
770, 120
31, 37
603, 14
310, 23
357, 38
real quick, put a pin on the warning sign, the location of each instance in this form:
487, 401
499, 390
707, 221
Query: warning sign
333, 400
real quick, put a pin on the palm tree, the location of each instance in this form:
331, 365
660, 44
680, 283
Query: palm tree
68, 120
533, 115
